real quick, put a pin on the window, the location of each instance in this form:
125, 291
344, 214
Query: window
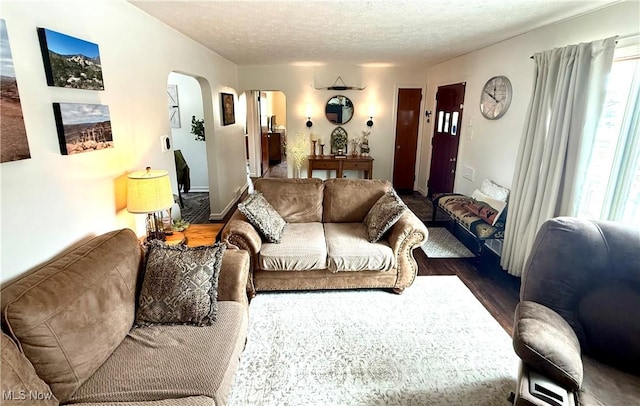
612, 188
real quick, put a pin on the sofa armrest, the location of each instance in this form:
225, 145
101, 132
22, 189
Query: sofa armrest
547, 343
240, 234
408, 233
234, 273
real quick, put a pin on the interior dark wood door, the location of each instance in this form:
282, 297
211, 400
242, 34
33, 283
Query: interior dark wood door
446, 137
264, 135
406, 145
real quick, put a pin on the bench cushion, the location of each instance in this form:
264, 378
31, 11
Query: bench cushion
303, 247
349, 250
456, 206
296, 200
349, 200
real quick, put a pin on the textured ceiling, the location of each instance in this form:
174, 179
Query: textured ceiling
385, 32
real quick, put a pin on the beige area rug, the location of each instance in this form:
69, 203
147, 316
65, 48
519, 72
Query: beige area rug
442, 244
433, 345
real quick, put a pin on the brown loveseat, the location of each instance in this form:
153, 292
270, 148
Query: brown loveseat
577, 327
69, 333
324, 244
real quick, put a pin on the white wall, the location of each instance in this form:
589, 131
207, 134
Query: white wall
51, 201
490, 147
297, 83
194, 152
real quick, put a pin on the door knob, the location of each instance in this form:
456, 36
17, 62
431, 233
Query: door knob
452, 160
397, 146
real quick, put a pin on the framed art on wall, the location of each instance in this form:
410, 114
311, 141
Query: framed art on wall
13, 135
228, 112
174, 107
69, 61
82, 127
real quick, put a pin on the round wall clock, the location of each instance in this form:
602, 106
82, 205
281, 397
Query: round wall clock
496, 97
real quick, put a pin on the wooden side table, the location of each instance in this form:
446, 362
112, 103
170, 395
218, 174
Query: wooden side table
202, 234
194, 236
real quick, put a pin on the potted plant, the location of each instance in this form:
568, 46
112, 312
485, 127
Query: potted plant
197, 128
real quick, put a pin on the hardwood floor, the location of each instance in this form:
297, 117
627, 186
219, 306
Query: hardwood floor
494, 288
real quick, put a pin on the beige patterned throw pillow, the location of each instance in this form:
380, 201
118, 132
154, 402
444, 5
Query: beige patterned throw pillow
180, 284
383, 215
263, 216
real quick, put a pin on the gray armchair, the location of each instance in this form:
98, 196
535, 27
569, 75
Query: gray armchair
577, 326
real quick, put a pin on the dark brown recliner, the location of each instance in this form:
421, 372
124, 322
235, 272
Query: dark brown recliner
577, 326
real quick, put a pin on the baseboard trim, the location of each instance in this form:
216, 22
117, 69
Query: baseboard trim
221, 216
199, 189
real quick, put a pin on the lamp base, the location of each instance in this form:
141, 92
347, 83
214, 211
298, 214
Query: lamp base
155, 227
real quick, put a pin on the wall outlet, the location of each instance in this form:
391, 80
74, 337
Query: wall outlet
469, 173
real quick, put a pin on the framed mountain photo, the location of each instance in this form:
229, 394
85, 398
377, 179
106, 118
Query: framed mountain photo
82, 127
13, 135
70, 62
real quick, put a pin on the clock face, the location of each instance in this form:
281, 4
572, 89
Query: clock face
496, 97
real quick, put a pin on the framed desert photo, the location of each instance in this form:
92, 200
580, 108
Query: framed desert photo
13, 135
70, 62
82, 127
228, 112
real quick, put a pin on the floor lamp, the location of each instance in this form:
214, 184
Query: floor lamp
149, 192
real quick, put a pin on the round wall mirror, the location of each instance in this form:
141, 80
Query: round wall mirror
339, 110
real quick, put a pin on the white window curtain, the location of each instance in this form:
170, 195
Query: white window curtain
568, 93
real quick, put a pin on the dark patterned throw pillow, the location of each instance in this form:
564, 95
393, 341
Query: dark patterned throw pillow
263, 216
383, 215
180, 284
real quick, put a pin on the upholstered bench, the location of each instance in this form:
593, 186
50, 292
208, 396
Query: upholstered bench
475, 219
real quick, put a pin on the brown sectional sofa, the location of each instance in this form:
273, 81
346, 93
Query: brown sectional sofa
67, 331
324, 244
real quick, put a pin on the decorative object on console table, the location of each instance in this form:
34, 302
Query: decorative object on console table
364, 145
339, 141
149, 192
228, 110
299, 150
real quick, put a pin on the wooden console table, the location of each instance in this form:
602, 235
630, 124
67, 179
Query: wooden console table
330, 163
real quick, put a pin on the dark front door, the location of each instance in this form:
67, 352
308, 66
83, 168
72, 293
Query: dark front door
446, 137
264, 133
407, 120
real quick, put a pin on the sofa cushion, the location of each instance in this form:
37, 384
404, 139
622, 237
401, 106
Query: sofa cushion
263, 216
349, 250
349, 200
189, 401
172, 361
20, 379
297, 200
303, 247
383, 215
71, 313
180, 284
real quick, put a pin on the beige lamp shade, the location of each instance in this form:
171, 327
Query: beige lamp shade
149, 191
